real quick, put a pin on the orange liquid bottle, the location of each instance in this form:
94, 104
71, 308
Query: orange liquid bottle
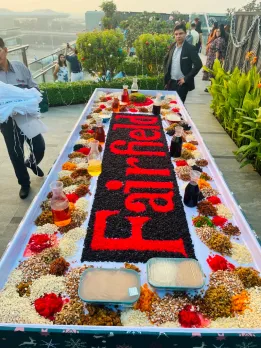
60, 205
116, 105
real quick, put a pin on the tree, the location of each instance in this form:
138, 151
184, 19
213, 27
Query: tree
109, 8
151, 50
142, 23
251, 6
101, 51
109, 21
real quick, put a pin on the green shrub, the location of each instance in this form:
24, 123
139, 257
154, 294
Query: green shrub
60, 94
133, 67
151, 50
100, 51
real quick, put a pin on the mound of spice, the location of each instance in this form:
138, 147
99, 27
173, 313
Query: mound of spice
82, 190
205, 176
72, 197
223, 211
231, 230
219, 221
49, 255
67, 181
100, 316
46, 205
217, 303
228, 279
84, 150
248, 276
241, 254
200, 221
189, 317
189, 146
78, 154
183, 173
214, 200
147, 297
186, 154
206, 208
201, 162
48, 305
80, 172
69, 166
214, 240
240, 302
167, 308
46, 217
72, 280
39, 242
209, 191
70, 314
181, 163
203, 184
219, 263
59, 266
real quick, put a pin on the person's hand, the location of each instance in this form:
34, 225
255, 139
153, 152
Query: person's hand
181, 82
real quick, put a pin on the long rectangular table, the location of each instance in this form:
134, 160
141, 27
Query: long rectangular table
127, 335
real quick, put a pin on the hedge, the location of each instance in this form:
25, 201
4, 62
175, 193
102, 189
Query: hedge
60, 94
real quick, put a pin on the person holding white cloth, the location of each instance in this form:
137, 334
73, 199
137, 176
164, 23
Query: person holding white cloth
23, 126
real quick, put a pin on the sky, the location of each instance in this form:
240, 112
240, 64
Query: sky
167, 6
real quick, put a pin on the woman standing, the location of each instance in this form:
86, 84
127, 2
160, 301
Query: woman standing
212, 35
61, 71
217, 50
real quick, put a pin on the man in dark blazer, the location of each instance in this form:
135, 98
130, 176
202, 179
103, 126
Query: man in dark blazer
181, 64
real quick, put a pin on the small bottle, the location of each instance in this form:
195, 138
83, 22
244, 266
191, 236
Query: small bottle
134, 86
192, 190
116, 105
94, 159
176, 142
60, 205
99, 131
125, 95
157, 105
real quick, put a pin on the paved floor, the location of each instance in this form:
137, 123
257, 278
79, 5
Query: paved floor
245, 183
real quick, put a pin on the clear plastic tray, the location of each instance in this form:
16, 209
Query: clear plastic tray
180, 283
131, 291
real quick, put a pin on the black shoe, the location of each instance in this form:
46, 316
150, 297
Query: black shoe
206, 90
36, 170
24, 192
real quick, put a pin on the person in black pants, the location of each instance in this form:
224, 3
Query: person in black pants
181, 65
15, 73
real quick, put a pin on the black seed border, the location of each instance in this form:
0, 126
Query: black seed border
174, 225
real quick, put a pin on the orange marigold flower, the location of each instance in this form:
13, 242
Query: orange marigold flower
69, 166
259, 85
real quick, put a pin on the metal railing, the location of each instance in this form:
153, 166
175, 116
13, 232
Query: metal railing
15, 51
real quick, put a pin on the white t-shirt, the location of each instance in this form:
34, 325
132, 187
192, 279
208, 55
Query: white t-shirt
195, 35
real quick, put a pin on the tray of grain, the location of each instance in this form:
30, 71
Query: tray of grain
114, 286
175, 274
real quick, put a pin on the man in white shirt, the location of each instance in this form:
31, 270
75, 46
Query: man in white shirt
194, 34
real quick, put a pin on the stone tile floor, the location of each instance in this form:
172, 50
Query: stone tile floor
244, 183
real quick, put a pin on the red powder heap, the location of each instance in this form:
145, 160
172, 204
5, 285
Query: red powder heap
72, 197
181, 163
39, 242
102, 106
214, 200
48, 305
219, 221
219, 263
188, 317
84, 150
